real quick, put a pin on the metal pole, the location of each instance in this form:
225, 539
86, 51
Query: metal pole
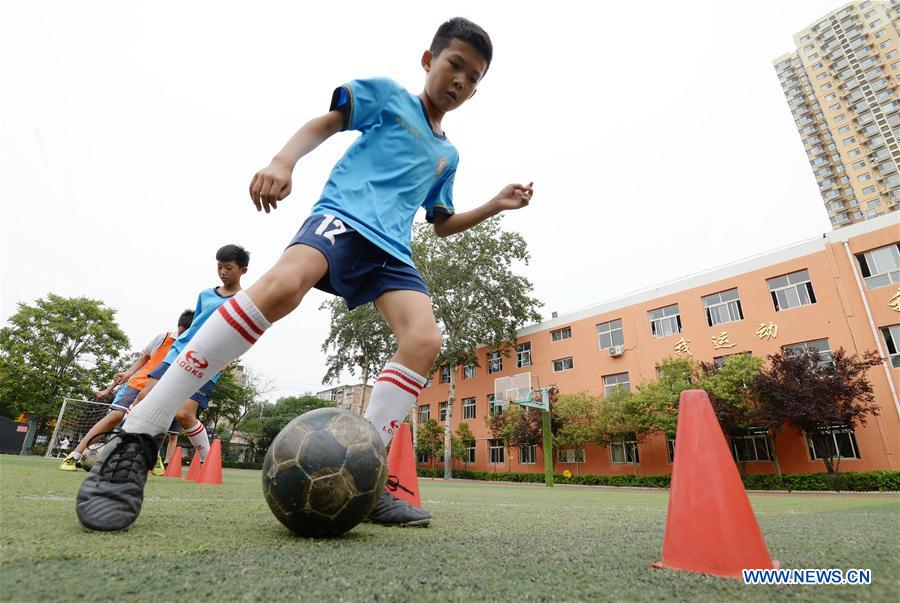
548, 440
52, 443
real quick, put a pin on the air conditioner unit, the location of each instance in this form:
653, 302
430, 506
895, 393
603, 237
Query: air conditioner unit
616, 350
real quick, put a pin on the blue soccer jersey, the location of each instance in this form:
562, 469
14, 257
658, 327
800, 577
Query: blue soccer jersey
397, 166
208, 302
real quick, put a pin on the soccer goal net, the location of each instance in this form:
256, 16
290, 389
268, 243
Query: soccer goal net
75, 418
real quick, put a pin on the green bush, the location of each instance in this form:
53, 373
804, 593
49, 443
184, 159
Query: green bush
242, 465
871, 481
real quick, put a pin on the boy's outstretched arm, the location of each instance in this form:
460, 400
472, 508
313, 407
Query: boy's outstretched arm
513, 196
273, 183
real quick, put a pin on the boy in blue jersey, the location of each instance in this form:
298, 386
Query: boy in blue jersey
355, 244
232, 265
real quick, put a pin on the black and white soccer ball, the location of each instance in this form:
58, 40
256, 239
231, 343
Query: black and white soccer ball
324, 472
91, 454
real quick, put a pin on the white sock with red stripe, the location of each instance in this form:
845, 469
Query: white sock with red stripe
199, 439
394, 393
226, 334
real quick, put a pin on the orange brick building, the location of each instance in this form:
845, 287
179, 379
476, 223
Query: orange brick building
838, 290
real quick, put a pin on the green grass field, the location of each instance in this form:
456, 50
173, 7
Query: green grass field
488, 542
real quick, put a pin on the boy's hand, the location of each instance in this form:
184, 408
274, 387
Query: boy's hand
270, 185
514, 196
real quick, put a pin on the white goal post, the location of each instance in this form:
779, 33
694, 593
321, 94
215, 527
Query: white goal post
75, 419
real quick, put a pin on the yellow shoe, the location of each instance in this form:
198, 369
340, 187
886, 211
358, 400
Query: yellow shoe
69, 463
159, 468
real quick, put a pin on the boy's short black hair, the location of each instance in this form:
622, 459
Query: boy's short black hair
463, 29
234, 253
185, 320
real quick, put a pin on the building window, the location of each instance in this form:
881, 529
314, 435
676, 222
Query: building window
791, 290
560, 334
864, 177
840, 442
625, 450
422, 458
563, 364
429, 381
610, 334
469, 371
670, 450
611, 382
468, 408
424, 413
723, 307
820, 345
570, 456
495, 362
528, 455
750, 448
859, 165
470, 454
442, 411
868, 190
494, 408
445, 373
854, 153
496, 448
523, 354
891, 336
880, 267
665, 321
851, 140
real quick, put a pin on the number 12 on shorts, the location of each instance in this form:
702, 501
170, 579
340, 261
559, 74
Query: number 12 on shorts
337, 227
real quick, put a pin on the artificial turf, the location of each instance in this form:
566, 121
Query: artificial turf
488, 542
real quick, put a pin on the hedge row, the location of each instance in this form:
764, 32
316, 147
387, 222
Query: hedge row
872, 481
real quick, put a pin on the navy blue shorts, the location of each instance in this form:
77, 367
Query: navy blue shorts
201, 395
121, 403
358, 270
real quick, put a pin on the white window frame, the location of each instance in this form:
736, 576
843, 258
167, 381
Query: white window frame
875, 275
715, 305
445, 373
891, 334
468, 408
442, 412
609, 329
824, 351
469, 371
835, 433
496, 451
665, 321
670, 450
528, 455
424, 413
422, 458
494, 362
619, 452
570, 456
470, 454
752, 444
560, 364
609, 387
494, 408
799, 283
523, 354
560, 334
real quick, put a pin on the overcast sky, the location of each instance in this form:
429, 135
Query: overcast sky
656, 134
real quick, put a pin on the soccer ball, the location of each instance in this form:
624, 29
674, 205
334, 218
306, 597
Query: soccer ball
324, 472
91, 454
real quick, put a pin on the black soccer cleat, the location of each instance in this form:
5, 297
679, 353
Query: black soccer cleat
393, 511
112, 494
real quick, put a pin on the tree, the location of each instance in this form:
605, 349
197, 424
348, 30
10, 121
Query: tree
579, 418
56, 348
466, 440
430, 440
478, 300
358, 340
276, 416
233, 399
729, 393
817, 397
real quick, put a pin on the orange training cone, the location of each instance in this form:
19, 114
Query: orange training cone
402, 479
710, 526
174, 468
194, 468
211, 473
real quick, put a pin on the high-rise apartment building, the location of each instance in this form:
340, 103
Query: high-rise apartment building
842, 87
